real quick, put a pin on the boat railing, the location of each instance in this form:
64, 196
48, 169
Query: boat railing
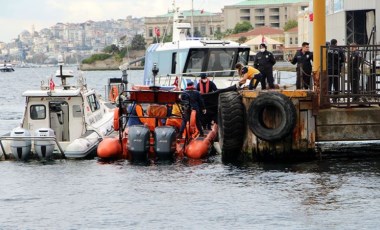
7, 137
170, 79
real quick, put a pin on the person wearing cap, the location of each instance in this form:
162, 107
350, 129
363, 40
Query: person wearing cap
264, 62
249, 73
303, 59
205, 85
196, 103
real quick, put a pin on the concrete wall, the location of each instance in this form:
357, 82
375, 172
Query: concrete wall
336, 23
337, 29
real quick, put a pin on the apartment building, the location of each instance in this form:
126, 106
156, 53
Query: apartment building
272, 13
205, 24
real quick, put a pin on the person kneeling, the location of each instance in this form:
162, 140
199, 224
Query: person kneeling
249, 73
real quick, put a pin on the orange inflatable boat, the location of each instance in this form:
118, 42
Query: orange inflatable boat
148, 132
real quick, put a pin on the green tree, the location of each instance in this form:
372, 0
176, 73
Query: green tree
242, 39
138, 42
290, 25
243, 26
218, 35
112, 49
167, 38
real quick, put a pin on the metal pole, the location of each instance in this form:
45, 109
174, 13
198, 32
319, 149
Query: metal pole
192, 22
319, 64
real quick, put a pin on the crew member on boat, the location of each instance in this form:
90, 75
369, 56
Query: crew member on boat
249, 73
136, 111
205, 85
196, 103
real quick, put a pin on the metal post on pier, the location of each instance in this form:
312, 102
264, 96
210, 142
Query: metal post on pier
319, 63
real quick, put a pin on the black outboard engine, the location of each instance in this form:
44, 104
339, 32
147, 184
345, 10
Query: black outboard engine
138, 143
164, 142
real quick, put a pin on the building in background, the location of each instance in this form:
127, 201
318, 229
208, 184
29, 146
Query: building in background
272, 13
292, 42
205, 24
353, 21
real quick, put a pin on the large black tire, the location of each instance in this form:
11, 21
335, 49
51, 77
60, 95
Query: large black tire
272, 116
231, 125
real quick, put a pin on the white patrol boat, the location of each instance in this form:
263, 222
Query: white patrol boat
67, 120
185, 58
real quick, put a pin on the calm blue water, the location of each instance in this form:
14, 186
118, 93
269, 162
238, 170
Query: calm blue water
64, 194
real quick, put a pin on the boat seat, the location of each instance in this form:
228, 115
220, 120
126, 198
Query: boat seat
154, 112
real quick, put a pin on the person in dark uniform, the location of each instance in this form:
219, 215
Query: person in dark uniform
196, 103
303, 58
355, 62
205, 85
264, 62
335, 61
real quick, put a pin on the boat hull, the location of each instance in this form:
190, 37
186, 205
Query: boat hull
138, 145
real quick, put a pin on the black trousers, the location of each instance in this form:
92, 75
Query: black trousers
303, 79
267, 76
334, 75
186, 118
258, 78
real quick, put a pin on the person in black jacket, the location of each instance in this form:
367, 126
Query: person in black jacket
196, 103
205, 85
335, 61
303, 58
355, 61
264, 62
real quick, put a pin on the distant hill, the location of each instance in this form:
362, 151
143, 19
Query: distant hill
112, 64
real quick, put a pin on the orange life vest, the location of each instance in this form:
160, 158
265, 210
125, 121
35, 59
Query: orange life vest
204, 87
113, 93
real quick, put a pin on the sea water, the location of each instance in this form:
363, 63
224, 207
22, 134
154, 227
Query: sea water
341, 193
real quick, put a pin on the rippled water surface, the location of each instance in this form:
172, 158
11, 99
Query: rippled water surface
64, 194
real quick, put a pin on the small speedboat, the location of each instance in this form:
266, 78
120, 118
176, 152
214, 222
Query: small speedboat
147, 131
7, 68
68, 120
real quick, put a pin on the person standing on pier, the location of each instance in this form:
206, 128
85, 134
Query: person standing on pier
303, 59
264, 62
355, 62
335, 61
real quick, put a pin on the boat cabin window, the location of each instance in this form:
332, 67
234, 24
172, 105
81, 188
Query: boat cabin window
93, 102
37, 112
174, 62
221, 60
243, 57
77, 111
215, 59
195, 60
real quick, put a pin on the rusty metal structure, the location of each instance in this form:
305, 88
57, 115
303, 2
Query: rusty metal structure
357, 78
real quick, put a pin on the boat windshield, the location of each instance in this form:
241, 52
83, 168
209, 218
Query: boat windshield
216, 59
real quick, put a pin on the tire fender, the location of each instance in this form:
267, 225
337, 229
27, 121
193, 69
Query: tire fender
272, 116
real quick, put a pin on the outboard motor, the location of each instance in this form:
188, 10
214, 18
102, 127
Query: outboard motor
138, 143
21, 144
164, 142
44, 148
